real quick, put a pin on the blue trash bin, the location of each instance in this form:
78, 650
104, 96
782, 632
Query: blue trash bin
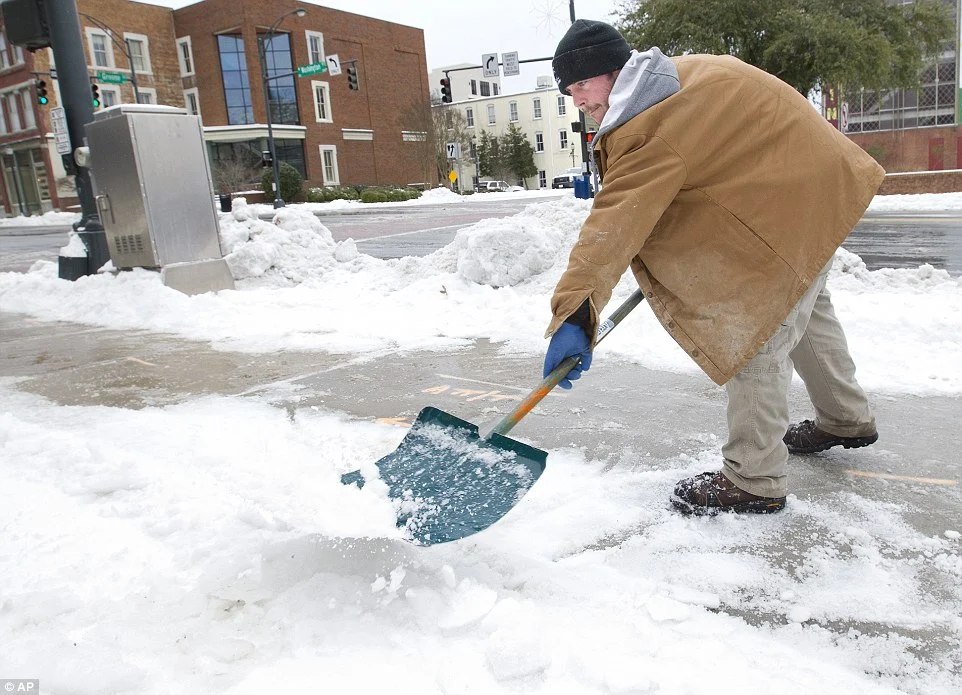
582, 186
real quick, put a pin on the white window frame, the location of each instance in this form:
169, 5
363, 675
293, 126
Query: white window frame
26, 100
150, 91
332, 149
512, 112
4, 127
563, 139
469, 118
108, 47
562, 106
325, 87
13, 112
539, 142
542, 178
185, 69
311, 58
492, 116
536, 109
194, 92
145, 55
109, 89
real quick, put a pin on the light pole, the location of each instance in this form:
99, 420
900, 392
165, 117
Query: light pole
125, 47
300, 12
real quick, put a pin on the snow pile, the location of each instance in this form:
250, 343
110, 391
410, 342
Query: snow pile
44, 220
291, 249
510, 251
916, 201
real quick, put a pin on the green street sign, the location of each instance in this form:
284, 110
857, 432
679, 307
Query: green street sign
312, 69
111, 77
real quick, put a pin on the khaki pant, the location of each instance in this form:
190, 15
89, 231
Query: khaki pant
811, 339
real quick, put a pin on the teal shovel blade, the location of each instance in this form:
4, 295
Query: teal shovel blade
450, 483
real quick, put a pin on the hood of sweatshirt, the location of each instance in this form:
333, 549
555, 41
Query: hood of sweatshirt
646, 79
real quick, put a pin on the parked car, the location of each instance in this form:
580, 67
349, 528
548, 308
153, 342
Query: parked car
492, 186
566, 179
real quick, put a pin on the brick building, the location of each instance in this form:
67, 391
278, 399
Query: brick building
206, 57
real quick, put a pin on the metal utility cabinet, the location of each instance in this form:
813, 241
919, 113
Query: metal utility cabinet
153, 190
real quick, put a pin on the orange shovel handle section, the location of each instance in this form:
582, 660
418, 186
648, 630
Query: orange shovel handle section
528, 403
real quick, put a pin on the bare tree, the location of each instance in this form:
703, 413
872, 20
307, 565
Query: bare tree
235, 172
417, 118
449, 125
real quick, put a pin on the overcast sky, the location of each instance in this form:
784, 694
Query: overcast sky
462, 30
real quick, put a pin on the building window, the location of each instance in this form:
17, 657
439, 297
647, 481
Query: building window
322, 102
5, 49
536, 108
101, 54
474, 87
485, 88
185, 56
10, 99
315, 47
192, 101
469, 117
539, 142
109, 96
562, 106
329, 165
139, 52
491, 119
237, 89
542, 179
513, 111
282, 97
3, 120
146, 95
563, 139
496, 88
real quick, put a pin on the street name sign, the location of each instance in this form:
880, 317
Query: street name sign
111, 77
311, 69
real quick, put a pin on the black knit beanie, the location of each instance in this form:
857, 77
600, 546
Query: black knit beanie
588, 49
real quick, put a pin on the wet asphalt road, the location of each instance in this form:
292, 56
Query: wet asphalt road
883, 240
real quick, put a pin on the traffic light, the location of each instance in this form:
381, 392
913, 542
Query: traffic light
95, 94
352, 77
590, 136
42, 97
446, 90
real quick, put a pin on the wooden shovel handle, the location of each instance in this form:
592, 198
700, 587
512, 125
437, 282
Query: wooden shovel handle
508, 422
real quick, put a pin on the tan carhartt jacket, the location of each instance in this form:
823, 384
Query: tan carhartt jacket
726, 199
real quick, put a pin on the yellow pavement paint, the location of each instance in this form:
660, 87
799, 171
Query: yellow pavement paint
394, 420
905, 478
138, 361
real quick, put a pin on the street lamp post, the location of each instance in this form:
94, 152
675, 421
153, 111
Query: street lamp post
300, 12
125, 47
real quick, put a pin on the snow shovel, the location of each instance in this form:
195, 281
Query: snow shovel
449, 482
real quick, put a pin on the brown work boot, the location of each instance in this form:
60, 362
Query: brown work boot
805, 438
711, 492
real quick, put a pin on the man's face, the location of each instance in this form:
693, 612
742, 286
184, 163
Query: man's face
591, 95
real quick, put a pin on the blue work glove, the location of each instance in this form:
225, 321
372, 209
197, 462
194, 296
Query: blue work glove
567, 341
